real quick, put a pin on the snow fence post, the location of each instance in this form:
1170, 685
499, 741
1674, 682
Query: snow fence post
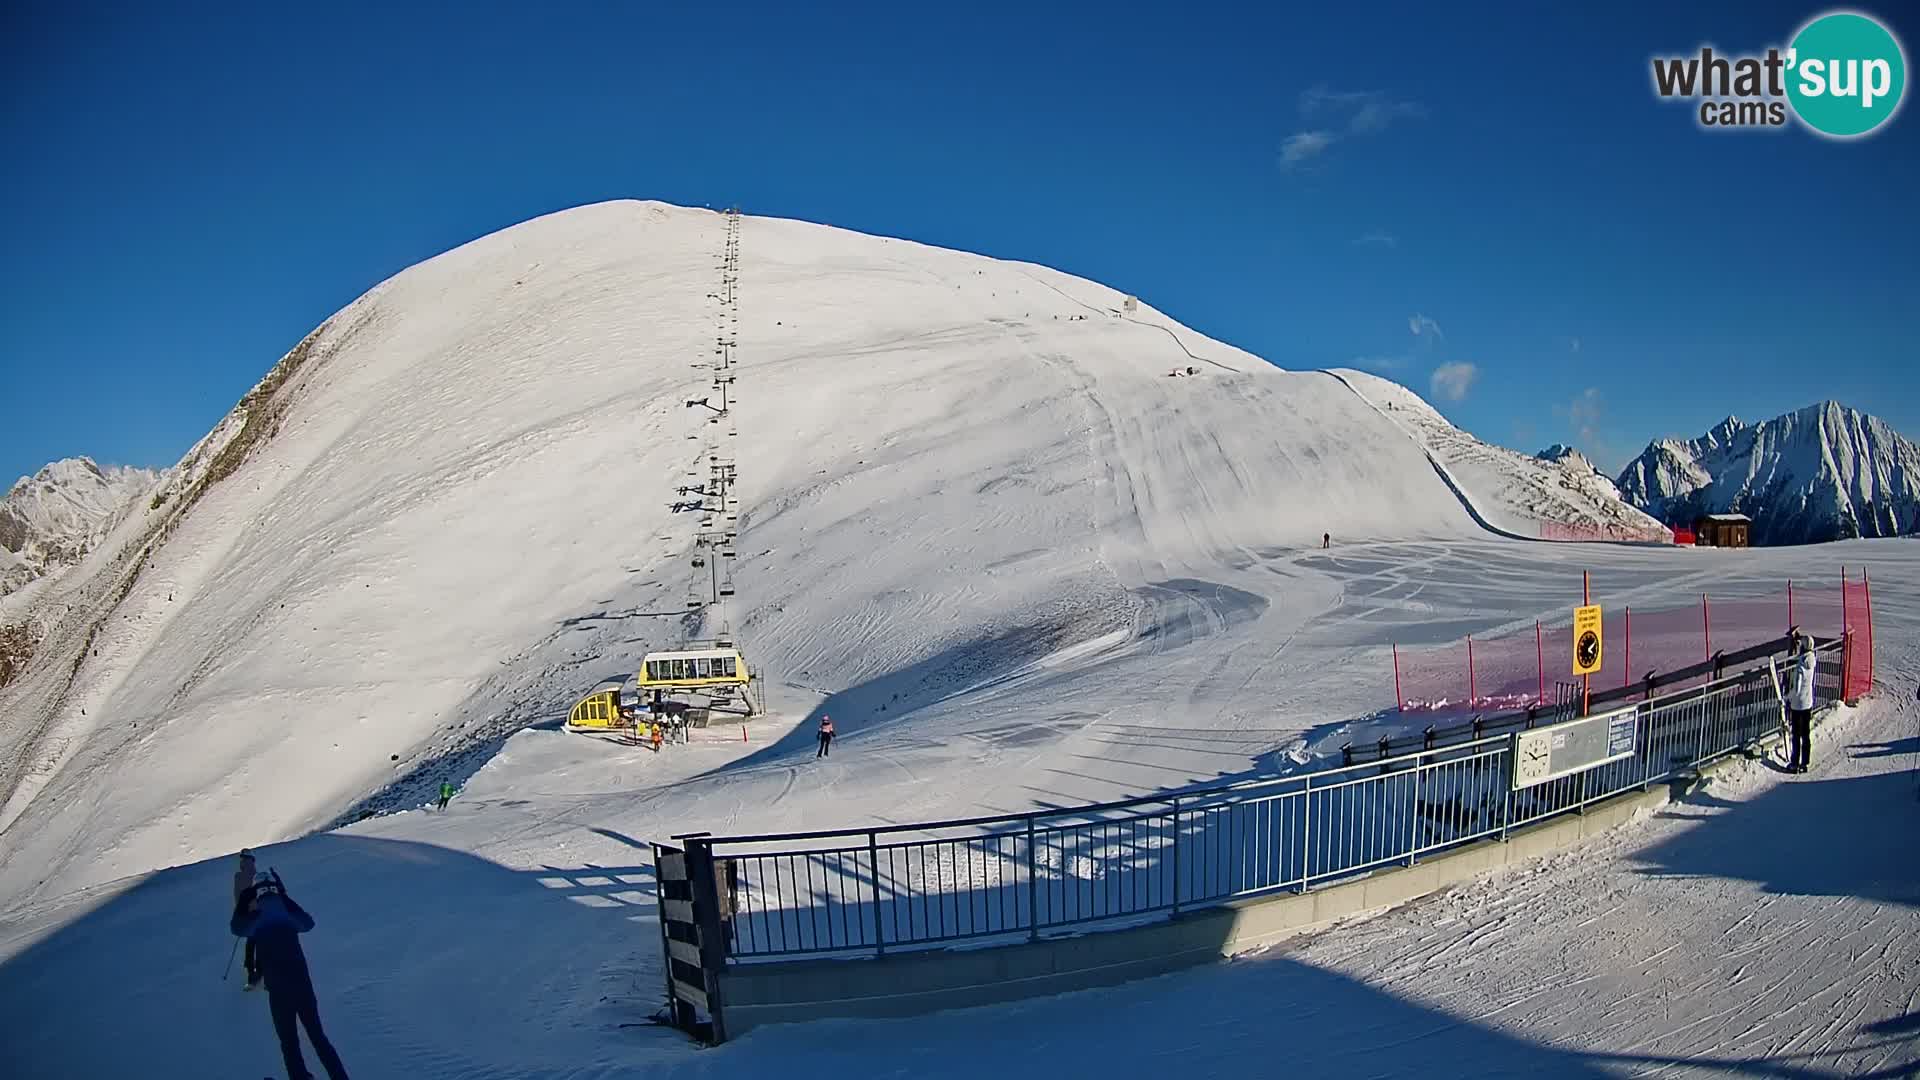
1846, 642
1473, 694
1540, 659
1399, 699
1626, 666
1866, 588
1706, 624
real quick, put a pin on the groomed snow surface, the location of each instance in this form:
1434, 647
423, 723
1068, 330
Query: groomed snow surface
1017, 562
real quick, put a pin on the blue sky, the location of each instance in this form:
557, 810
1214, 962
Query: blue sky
1393, 187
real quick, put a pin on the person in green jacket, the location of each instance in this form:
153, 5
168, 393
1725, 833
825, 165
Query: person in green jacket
446, 793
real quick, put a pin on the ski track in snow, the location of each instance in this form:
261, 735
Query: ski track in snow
1019, 565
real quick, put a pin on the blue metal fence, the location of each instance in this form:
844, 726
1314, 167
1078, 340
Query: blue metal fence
869, 891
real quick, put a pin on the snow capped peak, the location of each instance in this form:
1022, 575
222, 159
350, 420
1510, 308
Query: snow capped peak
1567, 458
67, 471
1823, 472
50, 520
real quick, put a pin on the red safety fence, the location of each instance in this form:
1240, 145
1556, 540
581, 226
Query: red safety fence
1513, 671
1856, 601
1588, 531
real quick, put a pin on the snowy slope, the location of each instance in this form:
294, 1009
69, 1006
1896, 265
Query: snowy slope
457, 518
50, 520
1516, 493
513, 936
1825, 472
982, 528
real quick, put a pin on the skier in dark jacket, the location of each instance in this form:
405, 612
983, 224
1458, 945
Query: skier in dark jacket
242, 882
273, 922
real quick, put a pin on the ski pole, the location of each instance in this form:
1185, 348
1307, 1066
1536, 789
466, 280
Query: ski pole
228, 970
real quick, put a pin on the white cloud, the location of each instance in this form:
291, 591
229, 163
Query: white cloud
1452, 381
1423, 326
1342, 114
1585, 415
1377, 239
1304, 146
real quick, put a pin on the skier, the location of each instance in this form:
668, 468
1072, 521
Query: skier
1800, 703
826, 736
1326, 541
266, 916
658, 737
242, 881
446, 793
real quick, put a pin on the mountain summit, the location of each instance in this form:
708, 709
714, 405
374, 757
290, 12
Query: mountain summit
50, 520
463, 500
1825, 472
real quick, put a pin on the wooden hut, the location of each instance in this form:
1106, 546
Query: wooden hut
1722, 530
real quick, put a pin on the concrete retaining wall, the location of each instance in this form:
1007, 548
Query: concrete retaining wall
911, 983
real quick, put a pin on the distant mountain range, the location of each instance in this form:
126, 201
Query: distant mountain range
1825, 472
50, 520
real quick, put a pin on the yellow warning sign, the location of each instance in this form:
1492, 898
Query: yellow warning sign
1587, 644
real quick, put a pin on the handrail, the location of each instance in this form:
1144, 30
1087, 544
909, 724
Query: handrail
1317, 779
1049, 871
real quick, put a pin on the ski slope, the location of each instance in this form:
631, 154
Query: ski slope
458, 520
1510, 492
982, 527
1765, 925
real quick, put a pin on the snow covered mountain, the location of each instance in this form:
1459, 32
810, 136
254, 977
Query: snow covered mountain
451, 509
980, 526
1825, 472
50, 520
1556, 494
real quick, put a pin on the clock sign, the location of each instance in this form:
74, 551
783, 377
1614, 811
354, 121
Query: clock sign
1588, 646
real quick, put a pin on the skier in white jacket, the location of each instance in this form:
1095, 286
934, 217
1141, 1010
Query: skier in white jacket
1800, 703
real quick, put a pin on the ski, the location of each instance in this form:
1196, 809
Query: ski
1786, 726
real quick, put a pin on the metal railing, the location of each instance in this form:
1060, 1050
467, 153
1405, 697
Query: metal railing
869, 891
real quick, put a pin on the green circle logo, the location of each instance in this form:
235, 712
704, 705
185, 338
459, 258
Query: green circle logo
1845, 74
